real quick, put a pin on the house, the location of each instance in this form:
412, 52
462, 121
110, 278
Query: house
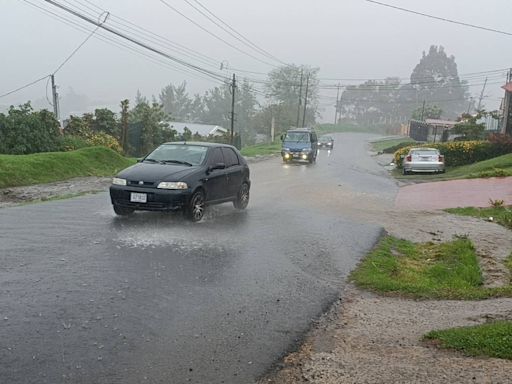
430, 130
204, 130
506, 107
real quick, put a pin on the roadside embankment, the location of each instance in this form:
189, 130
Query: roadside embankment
39, 168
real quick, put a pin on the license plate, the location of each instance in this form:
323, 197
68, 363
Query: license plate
138, 197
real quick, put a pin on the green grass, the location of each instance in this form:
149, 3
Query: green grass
497, 167
501, 215
38, 168
425, 271
262, 149
491, 339
387, 144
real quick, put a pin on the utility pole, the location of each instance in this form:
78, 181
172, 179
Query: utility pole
481, 95
305, 102
423, 110
507, 126
233, 88
337, 106
300, 99
55, 98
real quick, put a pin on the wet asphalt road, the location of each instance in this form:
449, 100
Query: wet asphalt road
86, 297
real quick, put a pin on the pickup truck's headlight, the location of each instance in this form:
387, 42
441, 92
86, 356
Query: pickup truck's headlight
172, 185
118, 181
286, 149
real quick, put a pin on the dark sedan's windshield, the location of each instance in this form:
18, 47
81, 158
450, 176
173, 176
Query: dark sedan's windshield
178, 154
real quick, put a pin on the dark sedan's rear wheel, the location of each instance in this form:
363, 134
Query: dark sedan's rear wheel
242, 199
196, 206
122, 211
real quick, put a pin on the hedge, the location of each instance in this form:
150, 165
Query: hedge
458, 153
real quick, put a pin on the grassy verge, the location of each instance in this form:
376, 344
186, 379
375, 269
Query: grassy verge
38, 168
425, 271
262, 149
492, 339
497, 167
501, 215
391, 145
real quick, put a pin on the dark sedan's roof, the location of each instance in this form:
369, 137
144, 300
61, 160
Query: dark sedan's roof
200, 143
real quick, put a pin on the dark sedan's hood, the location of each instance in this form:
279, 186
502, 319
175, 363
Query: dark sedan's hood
153, 172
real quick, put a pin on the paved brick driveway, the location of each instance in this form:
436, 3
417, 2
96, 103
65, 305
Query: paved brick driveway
454, 193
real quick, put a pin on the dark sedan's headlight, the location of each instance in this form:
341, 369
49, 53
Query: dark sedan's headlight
118, 181
172, 185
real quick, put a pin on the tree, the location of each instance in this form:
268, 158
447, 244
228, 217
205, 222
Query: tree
217, 105
283, 87
469, 126
429, 112
245, 110
176, 102
154, 125
123, 124
24, 131
105, 121
435, 80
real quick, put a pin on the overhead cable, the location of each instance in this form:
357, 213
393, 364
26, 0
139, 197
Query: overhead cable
440, 18
214, 35
137, 42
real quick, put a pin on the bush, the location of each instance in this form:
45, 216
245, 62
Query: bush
460, 152
72, 143
104, 140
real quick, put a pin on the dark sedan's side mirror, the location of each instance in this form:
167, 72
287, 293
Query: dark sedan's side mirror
216, 166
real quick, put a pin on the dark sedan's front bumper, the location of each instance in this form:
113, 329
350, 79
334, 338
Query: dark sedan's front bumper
156, 199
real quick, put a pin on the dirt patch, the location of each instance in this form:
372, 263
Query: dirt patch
22, 195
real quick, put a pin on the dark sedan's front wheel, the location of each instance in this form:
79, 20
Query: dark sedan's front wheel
242, 199
122, 211
195, 209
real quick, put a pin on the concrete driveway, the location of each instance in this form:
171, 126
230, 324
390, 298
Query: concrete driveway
454, 193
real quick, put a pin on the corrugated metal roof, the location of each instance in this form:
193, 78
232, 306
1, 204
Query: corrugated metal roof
202, 129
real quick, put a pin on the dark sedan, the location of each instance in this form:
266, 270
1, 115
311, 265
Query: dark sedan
326, 142
183, 176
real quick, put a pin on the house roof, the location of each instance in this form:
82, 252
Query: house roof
202, 129
508, 87
444, 123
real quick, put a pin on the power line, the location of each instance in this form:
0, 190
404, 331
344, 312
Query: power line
24, 86
231, 31
111, 41
81, 45
131, 27
440, 18
137, 42
213, 34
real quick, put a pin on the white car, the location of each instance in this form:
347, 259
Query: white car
423, 160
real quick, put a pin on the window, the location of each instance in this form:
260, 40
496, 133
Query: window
230, 157
215, 156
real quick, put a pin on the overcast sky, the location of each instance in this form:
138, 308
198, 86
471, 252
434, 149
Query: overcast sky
344, 38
